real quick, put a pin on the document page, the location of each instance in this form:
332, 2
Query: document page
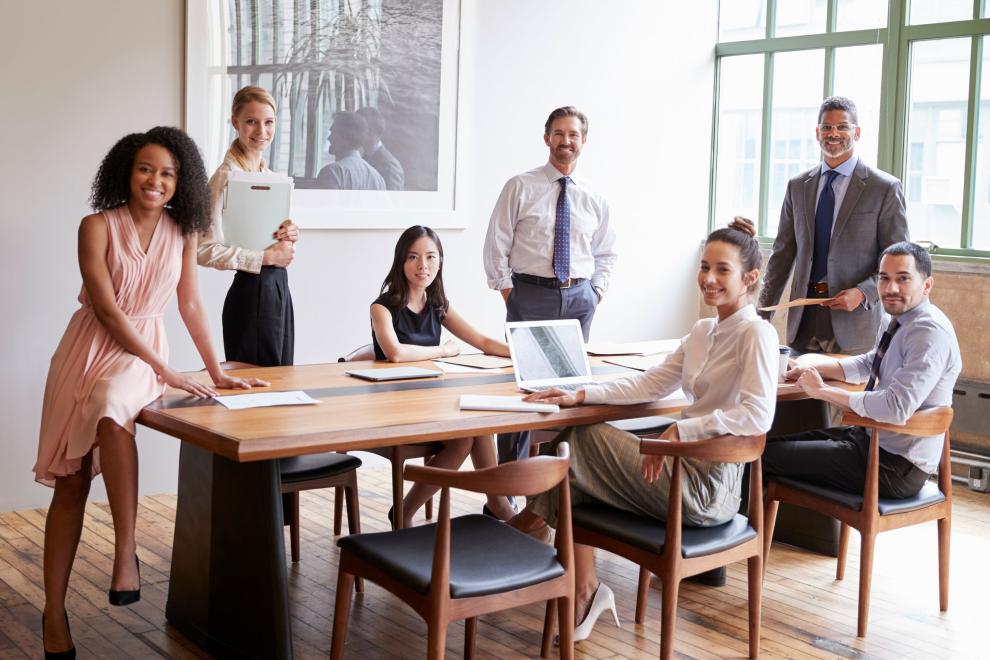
264, 399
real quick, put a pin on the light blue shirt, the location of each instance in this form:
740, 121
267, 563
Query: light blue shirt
917, 372
839, 185
350, 172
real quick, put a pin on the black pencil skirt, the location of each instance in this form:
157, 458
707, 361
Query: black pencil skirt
258, 325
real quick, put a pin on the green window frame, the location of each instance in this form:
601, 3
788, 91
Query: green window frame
896, 39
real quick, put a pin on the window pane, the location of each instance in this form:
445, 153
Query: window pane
861, 14
940, 11
857, 76
742, 19
739, 128
797, 93
800, 17
936, 139
981, 205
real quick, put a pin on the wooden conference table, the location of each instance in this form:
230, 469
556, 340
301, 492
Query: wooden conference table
228, 586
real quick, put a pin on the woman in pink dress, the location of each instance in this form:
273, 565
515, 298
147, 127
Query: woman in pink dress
151, 199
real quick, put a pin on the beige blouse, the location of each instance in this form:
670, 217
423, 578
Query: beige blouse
212, 251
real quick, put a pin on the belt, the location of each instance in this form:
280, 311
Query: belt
818, 289
549, 282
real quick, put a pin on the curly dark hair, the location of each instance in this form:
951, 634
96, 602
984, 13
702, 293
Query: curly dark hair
395, 288
189, 206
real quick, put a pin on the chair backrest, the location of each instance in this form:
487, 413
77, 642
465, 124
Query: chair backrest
527, 477
932, 421
534, 475
721, 449
366, 352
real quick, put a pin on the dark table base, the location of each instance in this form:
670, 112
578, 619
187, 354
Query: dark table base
228, 589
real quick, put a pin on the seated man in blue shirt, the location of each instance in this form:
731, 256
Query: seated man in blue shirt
914, 366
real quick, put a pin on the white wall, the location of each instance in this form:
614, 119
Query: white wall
642, 74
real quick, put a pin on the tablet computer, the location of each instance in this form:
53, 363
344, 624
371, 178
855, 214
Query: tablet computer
394, 373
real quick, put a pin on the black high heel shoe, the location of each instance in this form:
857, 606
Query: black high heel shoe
57, 655
128, 596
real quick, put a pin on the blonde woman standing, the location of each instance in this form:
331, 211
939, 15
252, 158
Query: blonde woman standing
257, 314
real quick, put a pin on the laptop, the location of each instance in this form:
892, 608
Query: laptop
394, 373
548, 354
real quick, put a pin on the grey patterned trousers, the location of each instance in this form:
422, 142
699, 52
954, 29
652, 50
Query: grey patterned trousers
606, 468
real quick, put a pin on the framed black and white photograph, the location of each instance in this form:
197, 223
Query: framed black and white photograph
368, 79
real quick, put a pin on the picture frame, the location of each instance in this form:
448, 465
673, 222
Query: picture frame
320, 58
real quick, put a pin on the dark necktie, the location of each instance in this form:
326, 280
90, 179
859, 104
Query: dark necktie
824, 215
881, 350
562, 234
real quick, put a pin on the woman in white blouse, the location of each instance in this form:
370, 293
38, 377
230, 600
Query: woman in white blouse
257, 313
727, 367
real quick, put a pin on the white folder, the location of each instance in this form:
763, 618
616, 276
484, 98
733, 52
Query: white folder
255, 205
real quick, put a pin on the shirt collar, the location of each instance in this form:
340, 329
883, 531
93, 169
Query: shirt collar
845, 169
553, 174
740, 316
350, 154
909, 316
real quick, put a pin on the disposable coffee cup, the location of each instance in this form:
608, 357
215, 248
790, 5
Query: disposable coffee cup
785, 354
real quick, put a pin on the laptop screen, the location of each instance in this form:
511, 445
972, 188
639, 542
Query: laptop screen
548, 351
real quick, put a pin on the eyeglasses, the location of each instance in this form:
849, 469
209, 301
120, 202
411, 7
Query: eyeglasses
842, 128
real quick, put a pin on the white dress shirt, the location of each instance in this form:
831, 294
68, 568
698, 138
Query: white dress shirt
212, 252
521, 229
728, 370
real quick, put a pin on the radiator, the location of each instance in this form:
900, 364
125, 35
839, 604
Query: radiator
971, 405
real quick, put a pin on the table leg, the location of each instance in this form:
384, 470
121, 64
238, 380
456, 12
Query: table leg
228, 589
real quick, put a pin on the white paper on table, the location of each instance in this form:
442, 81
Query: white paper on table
633, 348
449, 368
264, 399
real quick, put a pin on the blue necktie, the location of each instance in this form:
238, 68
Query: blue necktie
882, 347
562, 234
824, 215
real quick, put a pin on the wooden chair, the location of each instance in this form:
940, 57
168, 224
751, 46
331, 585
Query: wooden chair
397, 455
868, 513
327, 470
471, 565
673, 552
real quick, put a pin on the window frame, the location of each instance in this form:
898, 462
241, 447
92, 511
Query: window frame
896, 39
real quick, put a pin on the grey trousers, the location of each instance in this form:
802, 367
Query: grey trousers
606, 467
532, 302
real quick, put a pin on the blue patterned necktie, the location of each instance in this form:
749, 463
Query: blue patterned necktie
824, 215
888, 334
562, 234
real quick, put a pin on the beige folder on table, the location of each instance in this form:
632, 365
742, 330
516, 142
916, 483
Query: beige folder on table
255, 205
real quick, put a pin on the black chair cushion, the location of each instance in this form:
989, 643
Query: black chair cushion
649, 533
929, 494
316, 466
486, 556
642, 425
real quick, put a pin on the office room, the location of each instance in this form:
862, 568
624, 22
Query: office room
687, 115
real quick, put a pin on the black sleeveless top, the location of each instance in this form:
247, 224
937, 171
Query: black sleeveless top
421, 329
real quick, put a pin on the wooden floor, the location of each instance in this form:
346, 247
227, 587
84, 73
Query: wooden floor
806, 613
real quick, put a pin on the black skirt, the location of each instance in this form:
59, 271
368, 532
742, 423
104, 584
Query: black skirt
258, 324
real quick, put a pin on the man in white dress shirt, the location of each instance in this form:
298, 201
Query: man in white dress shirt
550, 250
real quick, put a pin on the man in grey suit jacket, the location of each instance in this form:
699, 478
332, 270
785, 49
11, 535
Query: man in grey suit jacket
831, 237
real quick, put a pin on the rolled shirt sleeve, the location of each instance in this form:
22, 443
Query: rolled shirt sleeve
498, 240
752, 412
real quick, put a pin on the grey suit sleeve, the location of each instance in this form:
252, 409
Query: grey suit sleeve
891, 228
782, 258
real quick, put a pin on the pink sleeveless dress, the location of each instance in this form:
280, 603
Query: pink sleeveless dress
91, 375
